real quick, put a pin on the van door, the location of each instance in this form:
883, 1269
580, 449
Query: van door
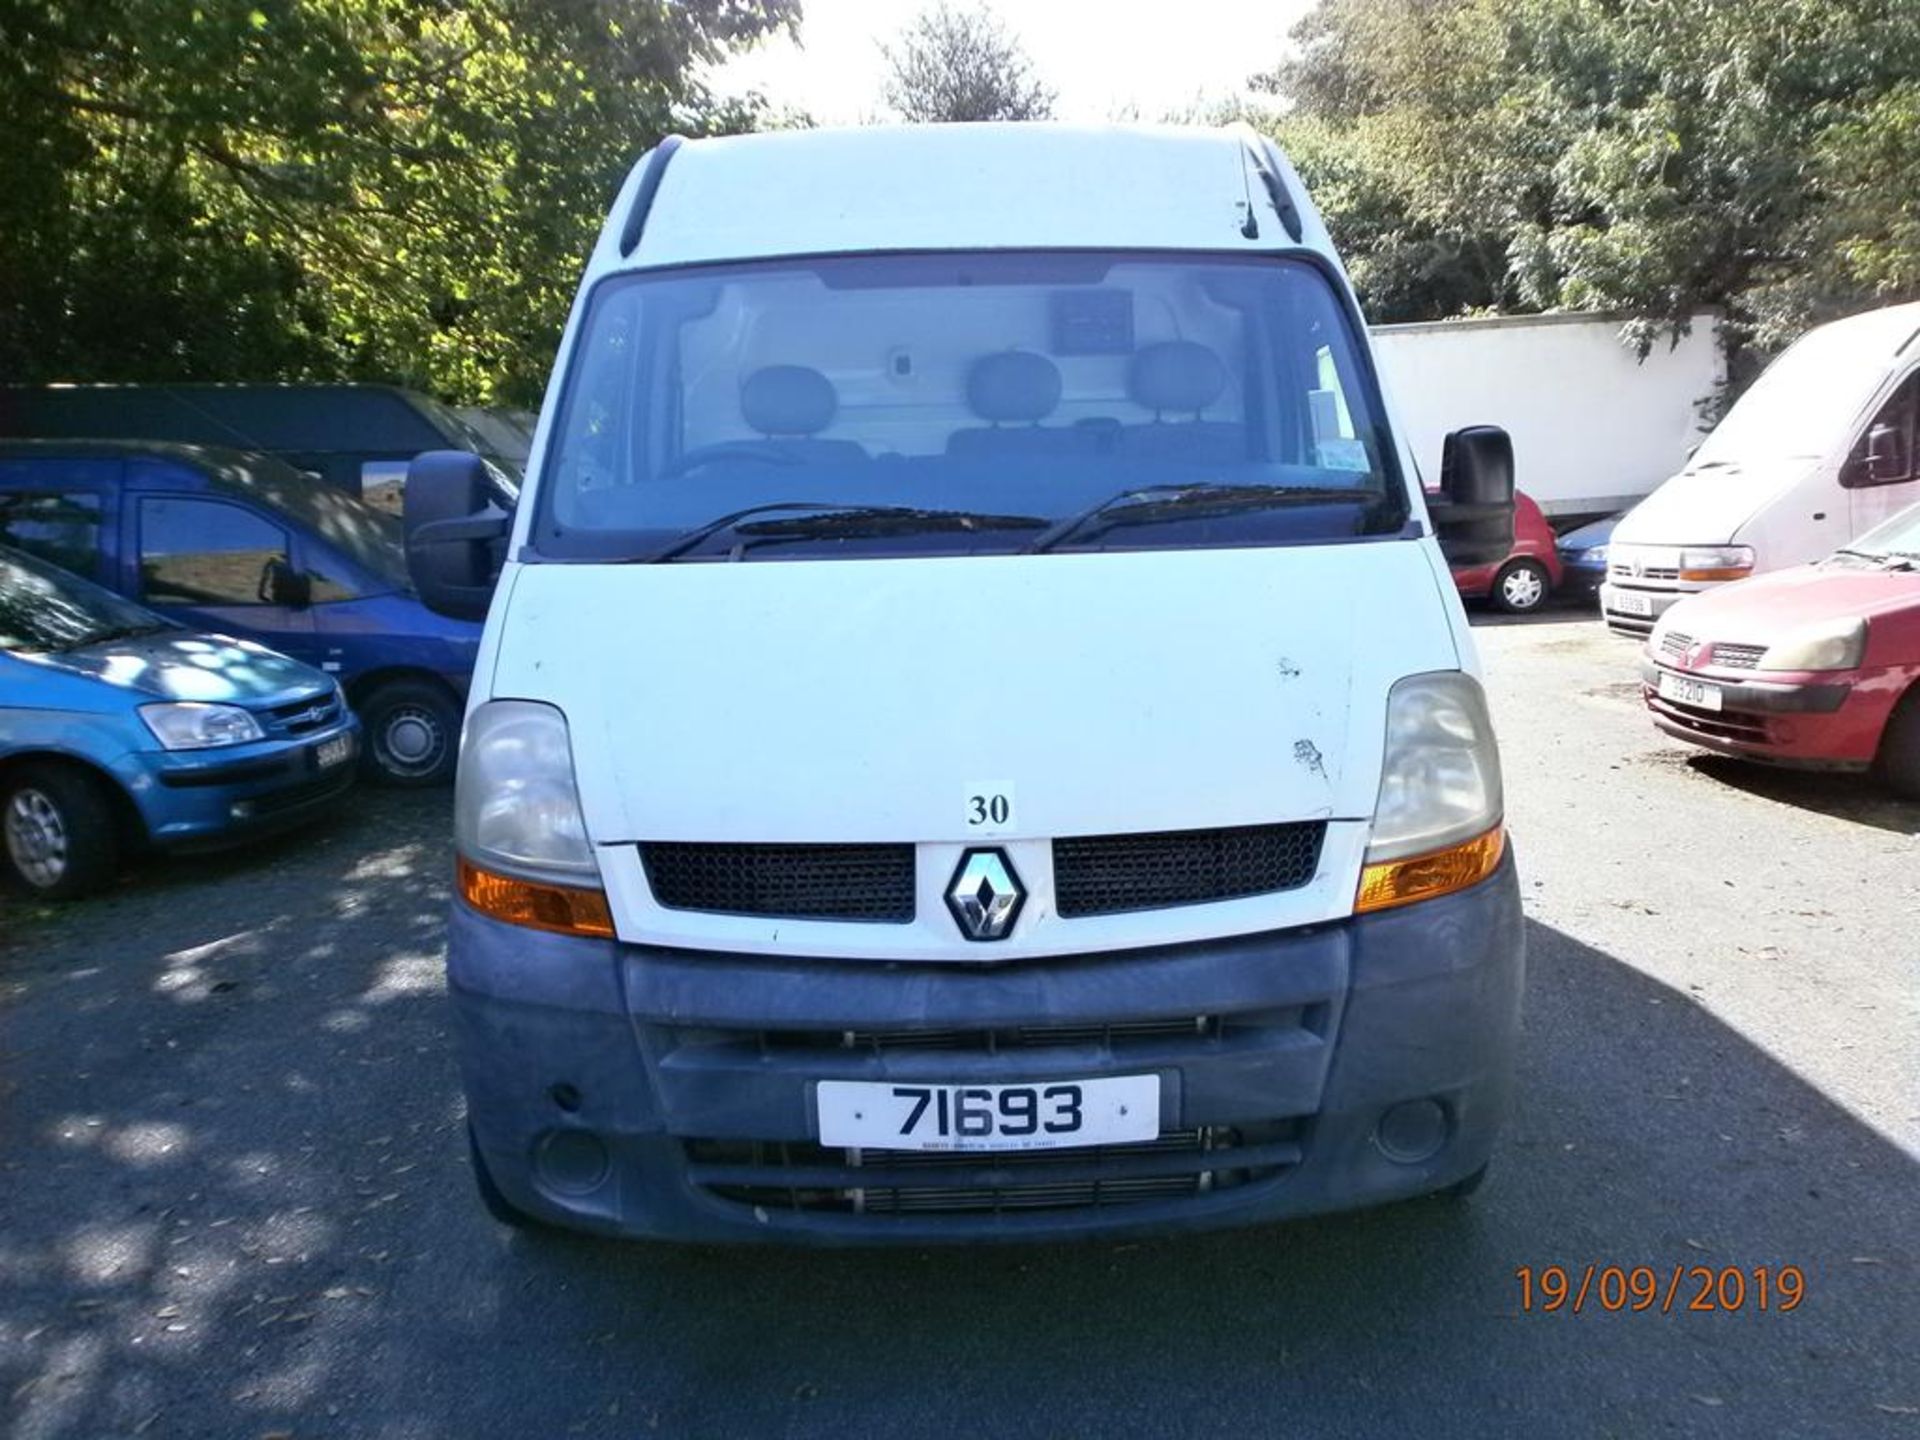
203, 562
1882, 471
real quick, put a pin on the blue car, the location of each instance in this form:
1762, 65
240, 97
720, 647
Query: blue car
242, 544
1583, 557
121, 731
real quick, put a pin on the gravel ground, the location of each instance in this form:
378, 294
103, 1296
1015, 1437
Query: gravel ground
234, 1199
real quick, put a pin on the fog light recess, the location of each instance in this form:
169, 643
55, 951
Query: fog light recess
571, 1161
1412, 1131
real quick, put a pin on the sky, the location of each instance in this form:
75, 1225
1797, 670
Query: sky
1107, 59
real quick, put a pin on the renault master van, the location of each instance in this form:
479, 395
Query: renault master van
975, 736
1820, 449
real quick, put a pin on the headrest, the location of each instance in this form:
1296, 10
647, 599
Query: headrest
1176, 375
1014, 385
788, 400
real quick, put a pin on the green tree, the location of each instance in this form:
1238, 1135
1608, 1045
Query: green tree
950, 64
1755, 155
382, 189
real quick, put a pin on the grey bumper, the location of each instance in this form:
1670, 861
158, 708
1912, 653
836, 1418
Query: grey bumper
638, 1091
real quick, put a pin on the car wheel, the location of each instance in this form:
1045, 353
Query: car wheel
412, 733
1898, 762
1521, 586
61, 834
498, 1206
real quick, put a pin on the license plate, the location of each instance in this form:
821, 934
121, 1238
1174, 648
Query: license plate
337, 751
1630, 604
1689, 692
1053, 1115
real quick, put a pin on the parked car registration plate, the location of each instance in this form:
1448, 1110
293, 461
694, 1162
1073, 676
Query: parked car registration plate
329, 753
1689, 692
1049, 1115
1627, 603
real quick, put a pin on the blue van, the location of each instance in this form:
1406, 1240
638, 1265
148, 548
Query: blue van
120, 730
242, 544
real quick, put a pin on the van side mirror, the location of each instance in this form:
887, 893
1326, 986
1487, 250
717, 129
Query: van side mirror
1473, 518
454, 534
281, 584
1886, 457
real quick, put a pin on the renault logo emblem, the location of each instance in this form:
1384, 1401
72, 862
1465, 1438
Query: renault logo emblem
985, 895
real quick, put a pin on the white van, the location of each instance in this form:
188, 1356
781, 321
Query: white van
975, 736
1819, 450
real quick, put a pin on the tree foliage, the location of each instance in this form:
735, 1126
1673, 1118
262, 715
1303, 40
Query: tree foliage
1657, 157
950, 64
385, 189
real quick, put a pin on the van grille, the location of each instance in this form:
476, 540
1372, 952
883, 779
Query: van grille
1110, 874
808, 882
1179, 1165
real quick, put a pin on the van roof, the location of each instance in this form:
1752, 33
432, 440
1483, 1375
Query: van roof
243, 472
960, 187
1880, 333
297, 417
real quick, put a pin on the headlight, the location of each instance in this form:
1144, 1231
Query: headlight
1836, 646
1436, 823
515, 806
1716, 562
199, 724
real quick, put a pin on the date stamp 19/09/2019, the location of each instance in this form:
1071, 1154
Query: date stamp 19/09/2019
1680, 1288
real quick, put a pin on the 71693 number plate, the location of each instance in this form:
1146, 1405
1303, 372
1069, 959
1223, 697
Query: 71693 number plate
1047, 1115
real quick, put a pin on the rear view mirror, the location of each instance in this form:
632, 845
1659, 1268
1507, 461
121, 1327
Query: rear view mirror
1473, 518
454, 534
1886, 455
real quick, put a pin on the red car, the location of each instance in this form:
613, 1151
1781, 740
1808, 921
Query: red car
1817, 667
1529, 574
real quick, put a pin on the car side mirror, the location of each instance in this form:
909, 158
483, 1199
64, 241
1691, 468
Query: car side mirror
454, 533
1473, 518
281, 584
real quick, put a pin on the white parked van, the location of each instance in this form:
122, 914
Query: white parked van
1819, 450
975, 736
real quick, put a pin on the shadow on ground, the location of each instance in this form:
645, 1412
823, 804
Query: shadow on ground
236, 1204
1862, 799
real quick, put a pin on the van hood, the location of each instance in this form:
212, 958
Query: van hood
867, 700
1708, 507
185, 665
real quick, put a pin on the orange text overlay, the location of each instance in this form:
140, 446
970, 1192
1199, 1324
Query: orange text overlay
1578, 1289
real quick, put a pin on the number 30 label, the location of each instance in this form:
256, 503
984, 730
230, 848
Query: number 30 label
989, 808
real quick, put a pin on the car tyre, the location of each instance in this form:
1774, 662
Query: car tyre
1898, 761
59, 833
1522, 586
498, 1206
412, 733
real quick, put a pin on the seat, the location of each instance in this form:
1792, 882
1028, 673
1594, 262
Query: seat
1180, 378
787, 406
1014, 391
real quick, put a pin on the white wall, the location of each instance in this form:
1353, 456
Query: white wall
1593, 428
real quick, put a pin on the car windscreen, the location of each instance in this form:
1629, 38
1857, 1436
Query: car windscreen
44, 608
966, 403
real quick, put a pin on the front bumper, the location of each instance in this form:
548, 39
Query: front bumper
669, 1093
207, 799
1825, 721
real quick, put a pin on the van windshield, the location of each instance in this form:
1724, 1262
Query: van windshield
1802, 406
965, 403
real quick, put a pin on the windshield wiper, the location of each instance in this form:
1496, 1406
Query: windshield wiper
1158, 502
876, 522
1885, 559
